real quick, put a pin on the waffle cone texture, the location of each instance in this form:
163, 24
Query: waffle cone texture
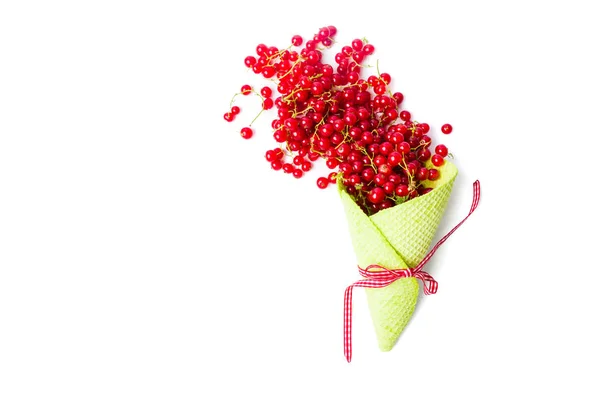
397, 238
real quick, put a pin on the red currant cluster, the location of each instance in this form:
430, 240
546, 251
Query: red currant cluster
378, 153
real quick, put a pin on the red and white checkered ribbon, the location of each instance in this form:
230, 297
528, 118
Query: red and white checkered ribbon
378, 276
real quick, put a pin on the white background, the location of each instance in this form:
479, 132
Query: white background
146, 250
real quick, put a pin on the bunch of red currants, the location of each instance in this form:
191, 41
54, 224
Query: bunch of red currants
374, 149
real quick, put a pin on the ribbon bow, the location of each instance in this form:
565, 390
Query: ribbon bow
377, 276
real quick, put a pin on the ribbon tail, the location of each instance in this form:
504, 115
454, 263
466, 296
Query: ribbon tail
348, 323
430, 285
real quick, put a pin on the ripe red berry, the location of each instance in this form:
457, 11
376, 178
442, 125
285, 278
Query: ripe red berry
404, 147
437, 160
380, 179
267, 104
424, 154
246, 132
441, 150
402, 190
434, 174
333, 177
386, 148
422, 174
288, 168
322, 182
270, 155
368, 174
446, 128
266, 91
229, 116
405, 115
389, 187
249, 61
368, 49
357, 44
394, 158
246, 89
297, 40
268, 72
377, 195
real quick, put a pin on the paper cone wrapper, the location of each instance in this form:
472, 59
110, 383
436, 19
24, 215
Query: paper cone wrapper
396, 238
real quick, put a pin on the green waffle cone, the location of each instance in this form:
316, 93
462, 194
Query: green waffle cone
397, 238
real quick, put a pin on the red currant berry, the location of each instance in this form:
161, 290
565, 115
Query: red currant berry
246, 89
298, 173
422, 174
297, 40
306, 166
434, 174
246, 132
267, 103
391, 113
385, 169
377, 195
270, 156
229, 116
354, 179
368, 49
395, 178
424, 154
298, 160
357, 44
380, 179
441, 150
322, 182
257, 68
398, 97
333, 177
249, 61
358, 56
276, 165
404, 147
261, 49
446, 128
266, 92
332, 163
385, 77
402, 190
405, 115
394, 158
268, 72
280, 136
389, 187
386, 204
368, 174
386, 148
380, 89
312, 156
437, 160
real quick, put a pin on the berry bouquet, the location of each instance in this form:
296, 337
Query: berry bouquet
393, 183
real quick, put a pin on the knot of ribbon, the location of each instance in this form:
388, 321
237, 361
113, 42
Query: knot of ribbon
378, 276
